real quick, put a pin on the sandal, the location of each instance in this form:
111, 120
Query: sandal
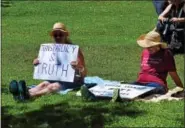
23, 90
13, 88
86, 94
116, 96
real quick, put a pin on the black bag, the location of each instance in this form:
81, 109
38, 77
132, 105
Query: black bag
177, 41
178, 37
173, 34
165, 29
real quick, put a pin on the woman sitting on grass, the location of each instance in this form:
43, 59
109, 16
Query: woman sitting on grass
60, 35
156, 62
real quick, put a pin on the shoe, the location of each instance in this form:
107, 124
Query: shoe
115, 96
23, 91
179, 94
13, 88
86, 94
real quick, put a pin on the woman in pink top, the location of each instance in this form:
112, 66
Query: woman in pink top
60, 35
156, 63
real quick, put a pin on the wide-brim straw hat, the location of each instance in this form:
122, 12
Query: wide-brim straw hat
150, 39
59, 27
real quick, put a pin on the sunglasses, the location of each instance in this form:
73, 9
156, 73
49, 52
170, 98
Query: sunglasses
58, 35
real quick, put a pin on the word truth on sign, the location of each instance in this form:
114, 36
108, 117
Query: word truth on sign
54, 62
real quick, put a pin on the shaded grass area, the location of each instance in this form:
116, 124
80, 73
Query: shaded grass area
70, 111
64, 115
106, 33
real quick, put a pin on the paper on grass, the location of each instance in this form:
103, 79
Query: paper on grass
127, 91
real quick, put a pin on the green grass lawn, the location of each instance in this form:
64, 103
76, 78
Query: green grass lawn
107, 33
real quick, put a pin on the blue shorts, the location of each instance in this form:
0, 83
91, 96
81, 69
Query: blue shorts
67, 85
158, 90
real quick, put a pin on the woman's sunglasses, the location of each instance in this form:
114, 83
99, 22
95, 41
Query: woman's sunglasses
58, 34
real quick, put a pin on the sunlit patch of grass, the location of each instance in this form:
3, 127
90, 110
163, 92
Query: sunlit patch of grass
107, 33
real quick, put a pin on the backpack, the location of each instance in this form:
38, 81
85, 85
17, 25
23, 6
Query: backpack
177, 39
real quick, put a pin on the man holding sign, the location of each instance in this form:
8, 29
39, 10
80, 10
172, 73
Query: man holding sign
61, 64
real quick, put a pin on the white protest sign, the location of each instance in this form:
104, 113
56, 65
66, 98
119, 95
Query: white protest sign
127, 91
54, 62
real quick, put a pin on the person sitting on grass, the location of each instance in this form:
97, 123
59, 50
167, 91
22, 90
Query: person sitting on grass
156, 62
172, 25
60, 35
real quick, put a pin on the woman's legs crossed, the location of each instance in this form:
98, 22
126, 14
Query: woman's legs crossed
45, 89
39, 87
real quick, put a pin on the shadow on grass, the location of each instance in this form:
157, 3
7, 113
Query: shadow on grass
63, 115
181, 121
5, 116
4, 89
6, 3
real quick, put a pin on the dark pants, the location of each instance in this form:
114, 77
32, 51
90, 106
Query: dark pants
158, 4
